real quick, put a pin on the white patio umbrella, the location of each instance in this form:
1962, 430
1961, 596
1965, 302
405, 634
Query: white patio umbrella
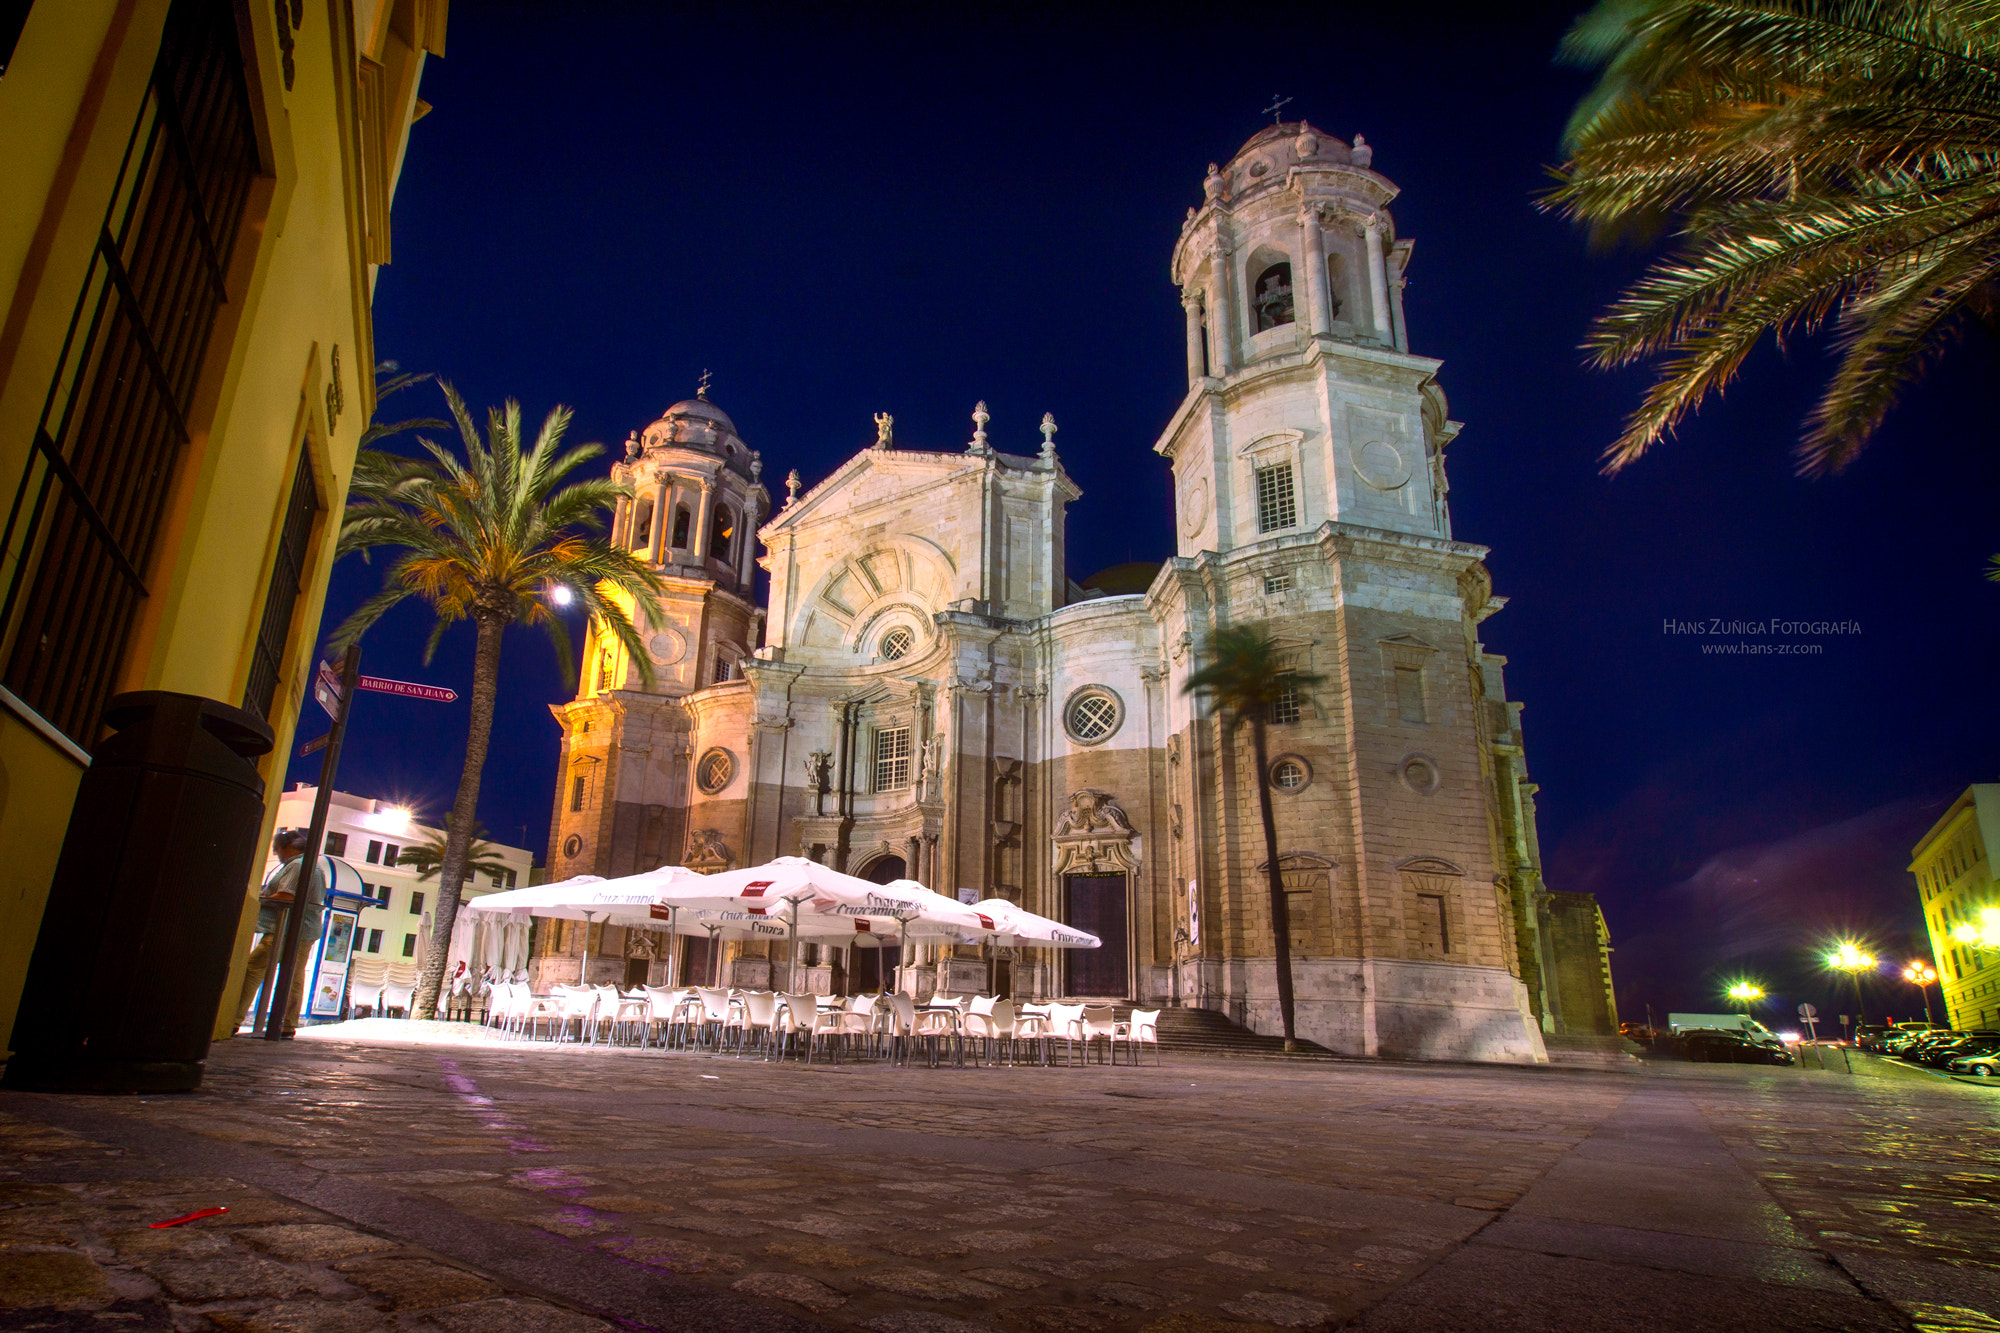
1004, 923
586, 898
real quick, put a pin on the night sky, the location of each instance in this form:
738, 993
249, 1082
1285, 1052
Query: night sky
839, 214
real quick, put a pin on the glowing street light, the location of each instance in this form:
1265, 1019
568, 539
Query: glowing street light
1921, 974
562, 594
1746, 991
1851, 958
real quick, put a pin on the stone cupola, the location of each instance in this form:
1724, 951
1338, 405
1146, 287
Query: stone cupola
698, 497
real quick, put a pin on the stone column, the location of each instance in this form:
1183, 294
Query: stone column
703, 516
657, 548
620, 516
1222, 313
746, 554
1196, 353
1378, 278
1318, 317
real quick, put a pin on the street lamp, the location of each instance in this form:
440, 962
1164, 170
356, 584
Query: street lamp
1921, 974
1747, 991
1850, 958
1983, 933
562, 594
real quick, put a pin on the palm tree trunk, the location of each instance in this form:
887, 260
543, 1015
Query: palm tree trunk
1281, 916
464, 813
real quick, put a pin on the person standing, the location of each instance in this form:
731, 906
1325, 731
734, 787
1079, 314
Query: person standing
279, 889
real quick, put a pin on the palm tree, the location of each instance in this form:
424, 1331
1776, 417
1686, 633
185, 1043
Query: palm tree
1245, 679
1819, 161
494, 539
428, 855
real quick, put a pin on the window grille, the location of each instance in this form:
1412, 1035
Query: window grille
897, 643
1277, 505
715, 771
1286, 708
288, 577
1288, 774
1277, 583
87, 511
576, 793
1092, 716
892, 758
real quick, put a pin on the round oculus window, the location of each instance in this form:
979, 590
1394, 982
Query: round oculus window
897, 643
1289, 773
1093, 714
573, 844
1421, 775
712, 774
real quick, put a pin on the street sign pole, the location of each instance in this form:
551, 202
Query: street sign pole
287, 969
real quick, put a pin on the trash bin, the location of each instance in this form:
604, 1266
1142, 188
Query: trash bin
134, 950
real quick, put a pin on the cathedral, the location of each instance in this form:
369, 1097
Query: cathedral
925, 692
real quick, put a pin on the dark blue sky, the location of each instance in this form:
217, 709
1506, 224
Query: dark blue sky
840, 214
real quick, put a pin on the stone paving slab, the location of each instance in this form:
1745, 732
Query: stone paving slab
464, 1186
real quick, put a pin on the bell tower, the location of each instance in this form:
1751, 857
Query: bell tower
624, 785
1304, 402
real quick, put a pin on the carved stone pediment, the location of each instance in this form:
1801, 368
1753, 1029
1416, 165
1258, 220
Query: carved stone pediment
1094, 837
709, 853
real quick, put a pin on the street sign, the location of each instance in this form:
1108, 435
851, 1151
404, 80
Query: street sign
314, 746
407, 688
326, 689
1807, 1011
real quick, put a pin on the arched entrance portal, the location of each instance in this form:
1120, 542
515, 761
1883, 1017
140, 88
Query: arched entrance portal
875, 968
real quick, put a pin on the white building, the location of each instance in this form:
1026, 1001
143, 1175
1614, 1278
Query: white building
392, 934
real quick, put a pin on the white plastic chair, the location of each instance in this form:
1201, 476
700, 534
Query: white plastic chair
1065, 1026
1099, 1021
795, 1016
714, 1013
989, 1027
1031, 1023
660, 1004
364, 995
1138, 1032
396, 995
759, 1012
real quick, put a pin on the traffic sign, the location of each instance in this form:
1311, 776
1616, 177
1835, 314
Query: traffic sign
326, 689
407, 688
1807, 1011
315, 745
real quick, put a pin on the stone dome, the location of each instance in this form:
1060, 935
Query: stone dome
700, 407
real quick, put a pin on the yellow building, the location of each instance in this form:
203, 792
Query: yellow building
1955, 880
197, 195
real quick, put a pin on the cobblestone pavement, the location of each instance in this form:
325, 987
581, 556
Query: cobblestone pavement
467, 1187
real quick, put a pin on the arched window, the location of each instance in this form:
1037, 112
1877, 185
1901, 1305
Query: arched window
642, 522
1273, 297
1336, 283
680, 528
722, 528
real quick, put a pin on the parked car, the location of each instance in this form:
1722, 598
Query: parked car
1868, 1036
1979, 1066
1941, 1054
1710, 1046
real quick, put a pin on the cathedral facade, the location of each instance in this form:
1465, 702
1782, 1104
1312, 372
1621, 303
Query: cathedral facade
926, 692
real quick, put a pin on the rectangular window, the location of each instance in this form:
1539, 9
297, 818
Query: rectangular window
499, 880
288, 581
390, 853
1433, 932
1277, 583
1277, 505
510, 879
89, 503
1410, 694
374, 941
576, 792
1285, 709
374, 853
416, 904
892, 758
409, 946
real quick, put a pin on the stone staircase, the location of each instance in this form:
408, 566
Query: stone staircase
1206, 1032
1613, 1052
